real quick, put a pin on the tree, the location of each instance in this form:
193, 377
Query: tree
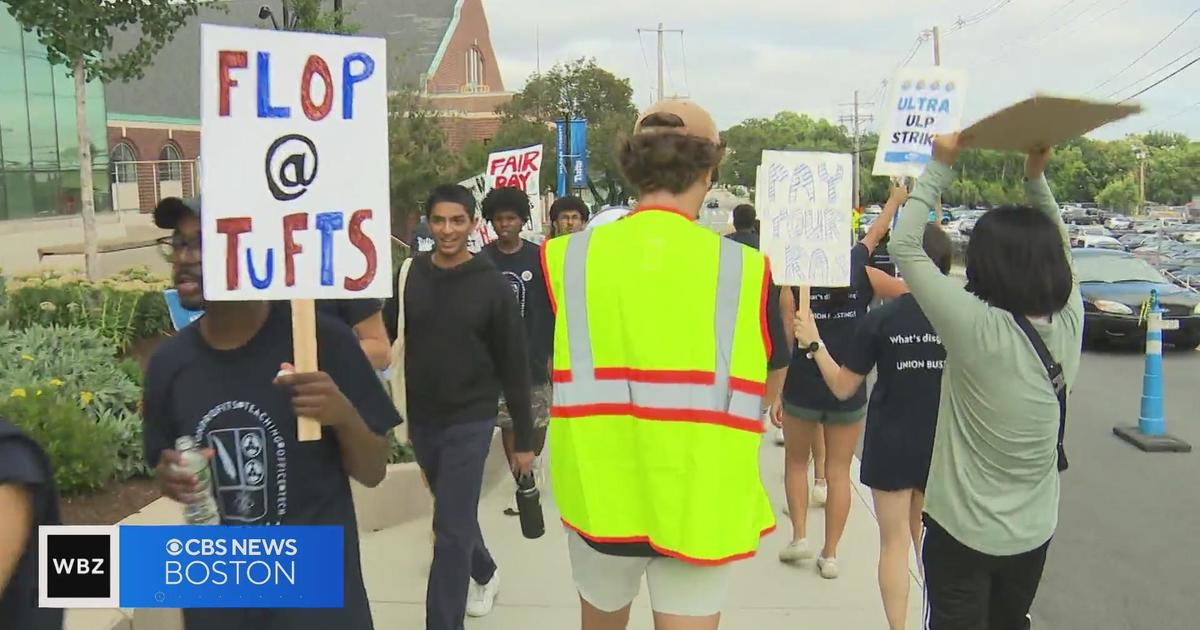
787, 131
579, 89
308, 16
419, 154
1121, 195
77, 34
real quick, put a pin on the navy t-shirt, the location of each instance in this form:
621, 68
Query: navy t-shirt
899, 342
837, 312
350, 312
262, 474
523, 271
23, 463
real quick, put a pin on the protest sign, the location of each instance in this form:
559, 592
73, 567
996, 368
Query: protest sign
1043, 121
512, 168
181, 316
295, 177
921, 103
804, 203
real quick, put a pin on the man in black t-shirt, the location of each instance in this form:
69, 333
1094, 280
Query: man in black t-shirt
28, 500
745, 225
520, 262
226, 381
364, 316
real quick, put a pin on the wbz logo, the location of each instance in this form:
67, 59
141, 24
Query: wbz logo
77, 567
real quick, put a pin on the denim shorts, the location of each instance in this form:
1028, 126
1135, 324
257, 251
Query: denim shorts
824, 417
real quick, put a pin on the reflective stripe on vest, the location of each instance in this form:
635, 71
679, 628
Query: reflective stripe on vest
692, 396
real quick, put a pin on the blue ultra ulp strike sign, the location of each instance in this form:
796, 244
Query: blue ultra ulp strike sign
231, 567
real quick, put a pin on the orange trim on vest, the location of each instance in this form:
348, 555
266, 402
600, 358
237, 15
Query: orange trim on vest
747, 387
654, 414
546, 279
601, 540
766, 329
664, 377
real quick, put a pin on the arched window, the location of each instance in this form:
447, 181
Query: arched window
474, 67
123, 164
169, 159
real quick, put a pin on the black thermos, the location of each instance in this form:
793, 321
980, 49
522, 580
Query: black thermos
529, 505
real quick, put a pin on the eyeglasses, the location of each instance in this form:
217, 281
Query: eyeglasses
172, 246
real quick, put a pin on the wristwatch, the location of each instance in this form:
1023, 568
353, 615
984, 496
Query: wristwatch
813, 348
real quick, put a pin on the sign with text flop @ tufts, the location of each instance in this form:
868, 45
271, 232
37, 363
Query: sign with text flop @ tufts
295, 177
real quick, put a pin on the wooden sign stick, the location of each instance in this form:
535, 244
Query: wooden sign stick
304, 356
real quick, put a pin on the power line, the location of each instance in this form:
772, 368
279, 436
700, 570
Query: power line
1162, 80
1154, 72
1039, 40
1148, 51
687, 85
1173, 116
964, 22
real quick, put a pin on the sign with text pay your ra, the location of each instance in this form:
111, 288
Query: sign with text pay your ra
804, 201
295, 178
921, 103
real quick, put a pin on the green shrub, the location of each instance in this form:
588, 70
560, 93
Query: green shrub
123, 308
80, 449
79, 365
401, 451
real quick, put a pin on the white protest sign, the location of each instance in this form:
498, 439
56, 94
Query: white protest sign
804, 204
513, 168
295, 179
921, 103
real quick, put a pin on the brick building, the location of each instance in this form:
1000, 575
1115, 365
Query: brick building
442, 46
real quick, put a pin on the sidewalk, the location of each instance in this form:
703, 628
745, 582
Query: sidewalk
537, 591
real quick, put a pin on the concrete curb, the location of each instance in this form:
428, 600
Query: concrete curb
400, 498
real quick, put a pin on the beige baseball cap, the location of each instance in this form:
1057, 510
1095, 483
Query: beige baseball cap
696, 121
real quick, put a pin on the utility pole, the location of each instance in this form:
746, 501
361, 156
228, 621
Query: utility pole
937, 46
661, 55
854, 122
337, 13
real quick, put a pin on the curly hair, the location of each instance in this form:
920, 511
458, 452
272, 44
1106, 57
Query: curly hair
665, 161
506, 199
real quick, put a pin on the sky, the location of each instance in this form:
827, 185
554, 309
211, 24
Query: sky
753, 58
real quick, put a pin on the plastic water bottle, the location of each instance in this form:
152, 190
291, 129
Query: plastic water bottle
204, 511
529, 506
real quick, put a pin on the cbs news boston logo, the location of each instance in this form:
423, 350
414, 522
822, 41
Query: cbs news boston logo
190, 567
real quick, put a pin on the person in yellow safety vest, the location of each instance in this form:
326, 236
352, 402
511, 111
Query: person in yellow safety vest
664, 336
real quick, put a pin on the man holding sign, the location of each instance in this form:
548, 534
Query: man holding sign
217, 381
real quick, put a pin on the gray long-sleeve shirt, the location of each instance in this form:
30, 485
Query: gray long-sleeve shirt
993, 481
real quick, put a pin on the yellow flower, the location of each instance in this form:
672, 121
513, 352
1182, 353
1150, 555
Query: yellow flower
27, 357
56, 382
86, 398
18, 392
38, 393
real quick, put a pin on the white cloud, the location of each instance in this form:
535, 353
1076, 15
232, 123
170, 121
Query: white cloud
757, 57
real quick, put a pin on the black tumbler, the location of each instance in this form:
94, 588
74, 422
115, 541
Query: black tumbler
529, 505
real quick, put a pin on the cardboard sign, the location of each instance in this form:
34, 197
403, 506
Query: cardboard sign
513, 168
804, 203
180, 316
295, 178
922, 103
1044, 121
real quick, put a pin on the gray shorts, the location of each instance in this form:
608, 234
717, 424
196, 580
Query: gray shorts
610, 583
540, 397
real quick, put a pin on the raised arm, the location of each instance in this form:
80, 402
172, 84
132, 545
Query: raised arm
880, 227
952, 311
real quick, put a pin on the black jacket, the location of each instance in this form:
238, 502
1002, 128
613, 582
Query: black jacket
464, 345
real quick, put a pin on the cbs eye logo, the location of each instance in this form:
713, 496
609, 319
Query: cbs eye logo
174, 547
77, 567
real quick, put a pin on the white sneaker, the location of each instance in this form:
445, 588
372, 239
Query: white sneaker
511, 509
796, 551
482, 597
828, 567
779, 436
820, 493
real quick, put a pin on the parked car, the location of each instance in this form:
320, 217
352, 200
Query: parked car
947, 216
713, 203
1095, 230
1115, 286
1094, 241
1119, 222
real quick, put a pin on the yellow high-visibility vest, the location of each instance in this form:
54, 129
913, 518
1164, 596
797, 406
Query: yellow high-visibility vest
660, 366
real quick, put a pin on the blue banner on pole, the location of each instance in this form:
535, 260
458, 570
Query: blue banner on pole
578, 153
572, 156
231, 567
560, 152
180, 316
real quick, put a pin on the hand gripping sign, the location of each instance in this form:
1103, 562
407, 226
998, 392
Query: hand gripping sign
295, 173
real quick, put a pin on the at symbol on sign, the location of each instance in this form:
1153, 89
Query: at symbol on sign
290, 177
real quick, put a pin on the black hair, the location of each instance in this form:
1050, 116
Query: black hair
744, 217
568, 203
938, 247
1016, 261
451, 193
506, 199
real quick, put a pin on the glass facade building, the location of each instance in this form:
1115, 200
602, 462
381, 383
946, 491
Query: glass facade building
39, 149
